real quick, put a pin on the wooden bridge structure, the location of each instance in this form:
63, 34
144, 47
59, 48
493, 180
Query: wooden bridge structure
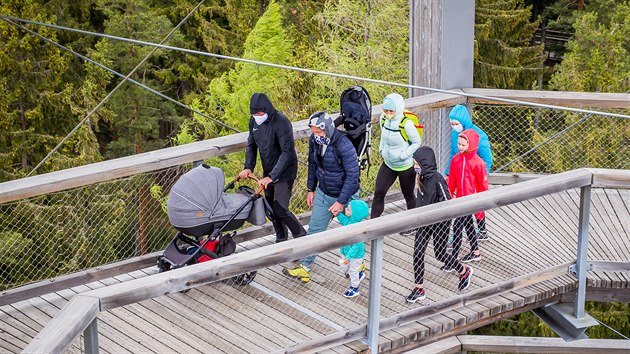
555, 239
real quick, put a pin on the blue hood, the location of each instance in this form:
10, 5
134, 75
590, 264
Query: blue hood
460, 114
360, 210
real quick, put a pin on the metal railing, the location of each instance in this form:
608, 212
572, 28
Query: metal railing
52, 225
55, 219
80, 315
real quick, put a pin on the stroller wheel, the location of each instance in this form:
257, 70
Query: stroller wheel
163, 265
244, 279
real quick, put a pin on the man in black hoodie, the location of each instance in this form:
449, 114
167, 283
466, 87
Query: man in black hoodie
271, 134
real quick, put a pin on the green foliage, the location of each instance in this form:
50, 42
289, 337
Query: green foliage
615, 315
228, 96
79, 229
37, 106
599, 56
367, 39
598, 60
158, 194
503, 56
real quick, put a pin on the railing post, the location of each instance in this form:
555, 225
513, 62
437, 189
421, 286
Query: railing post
581, 262
90, 337
374, 301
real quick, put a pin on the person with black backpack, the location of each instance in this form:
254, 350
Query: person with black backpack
397, 154
333, 181
271, 134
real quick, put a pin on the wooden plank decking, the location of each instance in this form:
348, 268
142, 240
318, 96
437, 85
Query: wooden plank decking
276, 312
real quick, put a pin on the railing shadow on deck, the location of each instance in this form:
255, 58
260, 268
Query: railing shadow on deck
81, 313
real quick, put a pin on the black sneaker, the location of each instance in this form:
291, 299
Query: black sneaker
483, 236
464, 279
447, 268
471, 257
416, 295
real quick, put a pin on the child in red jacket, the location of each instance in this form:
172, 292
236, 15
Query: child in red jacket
468, 175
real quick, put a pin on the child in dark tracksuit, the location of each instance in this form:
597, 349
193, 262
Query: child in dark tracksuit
468, 176
351, 261
430, 189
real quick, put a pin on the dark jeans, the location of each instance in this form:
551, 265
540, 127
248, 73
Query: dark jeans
384, 179
439, 232
278, 195
461, 223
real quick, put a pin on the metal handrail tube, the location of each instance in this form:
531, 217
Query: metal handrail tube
188, 277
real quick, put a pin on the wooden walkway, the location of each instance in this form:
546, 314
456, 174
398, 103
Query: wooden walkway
276, 312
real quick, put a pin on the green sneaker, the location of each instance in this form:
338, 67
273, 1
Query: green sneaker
299, 272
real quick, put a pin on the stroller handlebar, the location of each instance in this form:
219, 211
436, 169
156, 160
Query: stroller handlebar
238, 178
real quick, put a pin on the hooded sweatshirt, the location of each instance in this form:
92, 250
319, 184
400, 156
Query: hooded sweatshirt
468, 171
432, 188
396, 152
460, 114
360, 211
274, 139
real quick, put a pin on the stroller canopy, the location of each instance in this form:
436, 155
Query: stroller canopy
197, 198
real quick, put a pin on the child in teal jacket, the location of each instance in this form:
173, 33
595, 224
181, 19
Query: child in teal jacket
351, 261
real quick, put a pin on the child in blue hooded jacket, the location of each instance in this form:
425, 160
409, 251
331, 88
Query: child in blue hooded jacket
460, 121
352, 255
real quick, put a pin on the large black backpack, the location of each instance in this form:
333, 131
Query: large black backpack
356, 117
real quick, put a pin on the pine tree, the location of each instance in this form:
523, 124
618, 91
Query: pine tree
503, 55
142, 120
227, 97
598, 60
599, 55
37, 107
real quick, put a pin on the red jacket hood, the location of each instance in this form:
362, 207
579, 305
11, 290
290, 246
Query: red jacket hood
473, 140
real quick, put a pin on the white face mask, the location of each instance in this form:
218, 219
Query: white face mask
458, 128
261, 119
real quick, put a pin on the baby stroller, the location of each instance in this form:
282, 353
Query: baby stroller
201, 210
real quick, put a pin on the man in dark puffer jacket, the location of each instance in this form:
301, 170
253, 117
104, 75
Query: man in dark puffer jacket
333, 180
271, 134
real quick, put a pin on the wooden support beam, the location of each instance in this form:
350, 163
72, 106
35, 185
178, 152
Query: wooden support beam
397, 320
450, 345
507, 344
79, 278
601, 295
62, 329
473, 325
511, 178
607, 178
556, 98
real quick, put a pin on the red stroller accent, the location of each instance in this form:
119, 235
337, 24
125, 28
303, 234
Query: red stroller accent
200, 208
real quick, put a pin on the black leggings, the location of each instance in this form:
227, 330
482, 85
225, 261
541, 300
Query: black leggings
384, 179
461, 223
439, 232
278, 195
